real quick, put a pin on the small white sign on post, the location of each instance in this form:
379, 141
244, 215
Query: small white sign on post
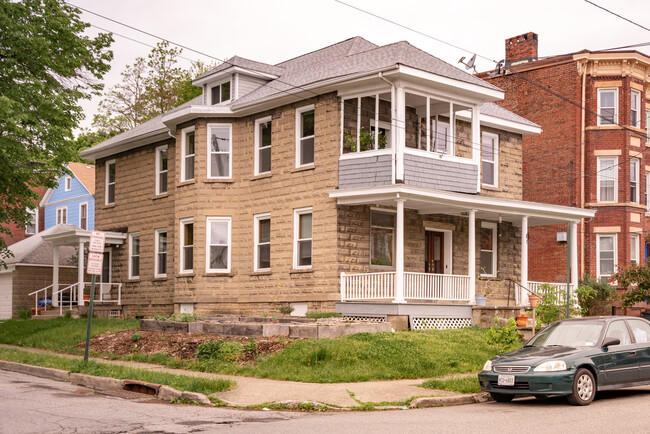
97, 239
95, 262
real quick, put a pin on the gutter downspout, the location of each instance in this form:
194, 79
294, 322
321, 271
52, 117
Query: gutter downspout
392, 123
582, 167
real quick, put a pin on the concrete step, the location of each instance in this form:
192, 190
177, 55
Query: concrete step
54, 313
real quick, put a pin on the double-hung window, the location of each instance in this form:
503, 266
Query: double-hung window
263, 146
305, 136
161, 253
606, 255
218, 245
382, 238
219, 151
488, 249
187, 246
302, 236
161, 170
62, 215
83, 215
220, 93
110, 182
647, 190
607, 106
134, 255
187, 154
635, 109
634, 249
262, 234
31, 226
607, 179
634, 180
490, 159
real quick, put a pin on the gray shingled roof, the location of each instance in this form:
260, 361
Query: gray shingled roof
34, 250
246, 64
492, 109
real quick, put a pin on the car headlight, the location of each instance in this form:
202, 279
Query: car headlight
487, 366
550, 366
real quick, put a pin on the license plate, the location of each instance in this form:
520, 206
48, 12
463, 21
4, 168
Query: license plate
506, 380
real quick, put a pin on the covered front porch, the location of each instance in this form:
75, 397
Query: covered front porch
447, 248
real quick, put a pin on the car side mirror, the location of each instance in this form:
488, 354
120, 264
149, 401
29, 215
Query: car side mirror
608, 342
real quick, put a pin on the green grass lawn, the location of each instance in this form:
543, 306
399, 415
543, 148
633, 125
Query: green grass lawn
359, 357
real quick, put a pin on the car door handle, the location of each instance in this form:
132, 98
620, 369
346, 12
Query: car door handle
632, 353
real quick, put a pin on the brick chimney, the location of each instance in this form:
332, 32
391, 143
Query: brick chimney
522, 48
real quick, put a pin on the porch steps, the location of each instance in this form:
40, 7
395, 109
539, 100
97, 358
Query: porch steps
54, 313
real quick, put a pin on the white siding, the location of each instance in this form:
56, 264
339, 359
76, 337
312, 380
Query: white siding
248, 84
6, 295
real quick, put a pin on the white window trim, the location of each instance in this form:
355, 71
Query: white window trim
385, 211
159, 151
87, 215
299, 112
448, 266
157, 233
637, 197
184, 133
634, 253
494, 137
131, 236
493, 227
219, 84
183, 223
107, 166
62, 209
256, 235
598, 117
258, 122
209, 220
638, 108
209, 150
296, 228
35, 212
598, 178
615, 246
67, 182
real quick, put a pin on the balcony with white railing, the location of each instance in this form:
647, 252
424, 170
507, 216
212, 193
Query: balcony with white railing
417, 286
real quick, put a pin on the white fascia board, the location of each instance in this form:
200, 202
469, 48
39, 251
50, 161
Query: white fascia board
46, 197
502, 124
74, 236
125, 145
468, 201
483, 93
188, 113
229, 71
10, 268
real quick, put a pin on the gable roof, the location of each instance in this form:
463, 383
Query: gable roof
85, 173
35, 250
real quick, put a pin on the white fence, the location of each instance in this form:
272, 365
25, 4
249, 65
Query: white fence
419, 286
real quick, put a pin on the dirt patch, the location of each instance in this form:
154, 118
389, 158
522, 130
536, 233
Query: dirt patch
181, 345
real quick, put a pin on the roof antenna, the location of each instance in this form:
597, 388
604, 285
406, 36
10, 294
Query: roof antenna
469, 64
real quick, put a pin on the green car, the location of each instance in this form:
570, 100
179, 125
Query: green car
575, 358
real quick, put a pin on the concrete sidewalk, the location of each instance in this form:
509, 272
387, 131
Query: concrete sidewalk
252, 391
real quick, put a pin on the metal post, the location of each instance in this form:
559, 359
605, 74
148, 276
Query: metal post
90, 315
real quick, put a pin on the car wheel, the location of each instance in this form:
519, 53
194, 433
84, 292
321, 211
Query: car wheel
501, 397
584, 388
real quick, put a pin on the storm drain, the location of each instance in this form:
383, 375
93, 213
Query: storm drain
141, 387
132, 396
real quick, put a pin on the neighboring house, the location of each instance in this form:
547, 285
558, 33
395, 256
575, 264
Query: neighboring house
35, 225
593, 158
364, 175
72, 201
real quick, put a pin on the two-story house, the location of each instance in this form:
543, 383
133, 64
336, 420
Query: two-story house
378, 177
72, 201
594, 109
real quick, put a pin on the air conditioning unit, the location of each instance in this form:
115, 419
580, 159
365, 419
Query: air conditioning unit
561, 237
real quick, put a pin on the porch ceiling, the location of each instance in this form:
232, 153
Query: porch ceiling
428, 201
76, 236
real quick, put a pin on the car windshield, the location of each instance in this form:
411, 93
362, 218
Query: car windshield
569, 334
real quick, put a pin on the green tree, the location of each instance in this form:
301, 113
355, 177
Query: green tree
637, 280
47, 65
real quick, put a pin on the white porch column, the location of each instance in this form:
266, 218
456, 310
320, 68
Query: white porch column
476, 138
55, 275
80, 274
524, 260
400, 130
399, 253
574, 254
471, 266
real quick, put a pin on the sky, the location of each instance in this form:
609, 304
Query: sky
272, 31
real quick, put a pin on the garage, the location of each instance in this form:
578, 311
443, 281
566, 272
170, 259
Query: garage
5, 295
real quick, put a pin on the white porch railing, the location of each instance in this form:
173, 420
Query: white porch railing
71, 299
419, 286
104, 293
427, 286
42, 295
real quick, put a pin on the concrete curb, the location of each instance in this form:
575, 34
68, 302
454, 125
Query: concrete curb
445, 401
36, 371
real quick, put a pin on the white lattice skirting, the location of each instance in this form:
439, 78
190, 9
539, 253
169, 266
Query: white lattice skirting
365, 318
424, 323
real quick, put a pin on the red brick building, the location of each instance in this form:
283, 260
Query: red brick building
19, 233
593, 110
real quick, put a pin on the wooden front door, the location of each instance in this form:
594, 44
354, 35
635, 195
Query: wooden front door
435, 255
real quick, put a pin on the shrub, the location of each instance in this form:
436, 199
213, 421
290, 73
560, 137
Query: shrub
67, 314
595, 296
317, 315
552, 305
637, 280
286, 309
219, 350
187, 317
504, 335
135, 337
250, 348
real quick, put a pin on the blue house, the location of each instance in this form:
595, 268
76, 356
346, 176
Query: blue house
73, 200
